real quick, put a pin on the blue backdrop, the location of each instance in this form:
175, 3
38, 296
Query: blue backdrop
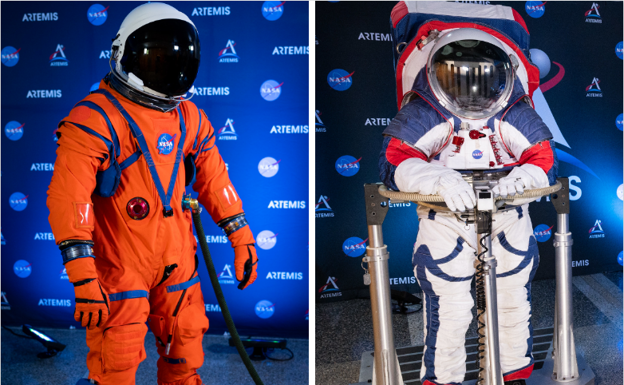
580, 100
53, 53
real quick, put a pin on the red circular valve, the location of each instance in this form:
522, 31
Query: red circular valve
137, 208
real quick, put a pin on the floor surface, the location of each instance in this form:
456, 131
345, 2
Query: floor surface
344, 329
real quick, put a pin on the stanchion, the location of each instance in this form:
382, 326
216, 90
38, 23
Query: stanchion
564, 353
386, 370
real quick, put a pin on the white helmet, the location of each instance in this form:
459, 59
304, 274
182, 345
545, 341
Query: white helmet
470, 73
156, 52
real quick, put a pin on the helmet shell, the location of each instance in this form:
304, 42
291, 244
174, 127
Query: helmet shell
156, 51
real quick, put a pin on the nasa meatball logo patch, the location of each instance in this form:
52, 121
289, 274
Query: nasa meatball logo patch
165, 144
477, 154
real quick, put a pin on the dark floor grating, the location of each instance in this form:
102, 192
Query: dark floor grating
410, 357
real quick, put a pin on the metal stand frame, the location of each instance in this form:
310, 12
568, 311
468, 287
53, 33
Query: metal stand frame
493, 371
386, 368
564, 361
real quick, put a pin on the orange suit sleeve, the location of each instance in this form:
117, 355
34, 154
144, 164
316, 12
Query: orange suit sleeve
81, 152
216, 192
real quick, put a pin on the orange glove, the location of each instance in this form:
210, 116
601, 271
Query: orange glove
92, 307
245, 263
245, 257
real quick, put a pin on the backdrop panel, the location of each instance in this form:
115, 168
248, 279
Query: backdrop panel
580, 100
253, 85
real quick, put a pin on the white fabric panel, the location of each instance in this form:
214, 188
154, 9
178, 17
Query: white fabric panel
460, 9
513, 139
434, 139
454, 299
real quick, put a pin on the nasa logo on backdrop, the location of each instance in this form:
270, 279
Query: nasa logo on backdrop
618, 122
14, 130
266, 240
273, 10
347, 165
58, 58
228, 54
593, 16
268, 167
226, 277
340, 80
227, 132
22, 268
322, 208
271, 90
618, 50
354, 247
535, 9
619, 258
596, 230
265, 309
320, 126
542, 232
18, 201
593, 90
165, 144
10, 56
97, 14
330, 288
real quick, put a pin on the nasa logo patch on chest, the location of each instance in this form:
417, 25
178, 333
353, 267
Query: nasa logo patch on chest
165, 144
477, 154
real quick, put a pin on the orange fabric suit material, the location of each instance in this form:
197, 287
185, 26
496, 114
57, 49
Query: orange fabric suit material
131, 255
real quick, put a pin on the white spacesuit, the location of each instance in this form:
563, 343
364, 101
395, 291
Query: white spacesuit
470, 111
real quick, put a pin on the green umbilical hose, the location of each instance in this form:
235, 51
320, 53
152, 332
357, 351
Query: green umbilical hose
214, 280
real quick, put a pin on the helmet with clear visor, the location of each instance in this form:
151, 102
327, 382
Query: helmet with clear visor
470, 73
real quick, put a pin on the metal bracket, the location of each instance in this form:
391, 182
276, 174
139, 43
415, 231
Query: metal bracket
563, 243
377, 254
561, 199
376, 205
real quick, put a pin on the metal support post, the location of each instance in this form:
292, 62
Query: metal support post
493, 372
386, 369
564, 351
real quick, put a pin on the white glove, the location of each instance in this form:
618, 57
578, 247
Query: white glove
457, 194
416, 175
527, 176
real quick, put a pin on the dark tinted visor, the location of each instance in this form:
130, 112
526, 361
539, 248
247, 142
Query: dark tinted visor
165, 55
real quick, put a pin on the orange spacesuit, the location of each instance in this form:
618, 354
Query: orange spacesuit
145, 267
